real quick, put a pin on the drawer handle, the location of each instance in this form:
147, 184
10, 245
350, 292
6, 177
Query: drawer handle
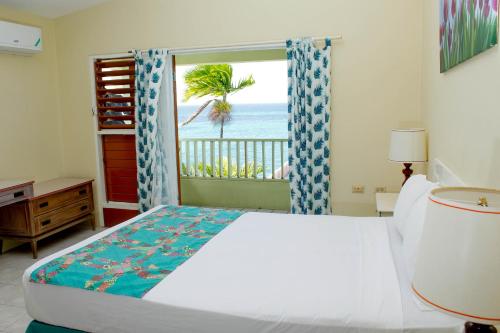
43, 204
84, 208
18, 194
82, 192
45, 223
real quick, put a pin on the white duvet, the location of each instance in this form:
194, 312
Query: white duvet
263, 273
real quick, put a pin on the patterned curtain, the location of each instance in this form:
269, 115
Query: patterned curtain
150, 143
309, 126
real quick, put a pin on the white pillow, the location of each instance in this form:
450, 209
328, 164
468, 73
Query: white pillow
414, 187
413, 231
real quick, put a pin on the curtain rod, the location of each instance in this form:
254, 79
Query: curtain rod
269, 45
246, 46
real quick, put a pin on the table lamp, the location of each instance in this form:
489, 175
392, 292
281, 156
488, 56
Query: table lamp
408, 146
458, 264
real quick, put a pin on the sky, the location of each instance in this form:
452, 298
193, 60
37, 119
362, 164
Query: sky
270, 83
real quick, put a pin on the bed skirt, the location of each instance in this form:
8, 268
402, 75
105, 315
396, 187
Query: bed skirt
39, 327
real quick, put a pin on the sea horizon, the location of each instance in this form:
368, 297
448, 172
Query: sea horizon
258, 120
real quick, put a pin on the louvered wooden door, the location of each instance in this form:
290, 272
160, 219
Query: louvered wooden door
115, 104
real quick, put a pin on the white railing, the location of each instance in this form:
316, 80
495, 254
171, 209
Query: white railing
263, 159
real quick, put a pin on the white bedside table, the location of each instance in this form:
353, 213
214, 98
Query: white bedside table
386, 202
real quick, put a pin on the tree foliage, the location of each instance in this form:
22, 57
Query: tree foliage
215, 81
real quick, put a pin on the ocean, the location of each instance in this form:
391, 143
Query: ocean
248, 121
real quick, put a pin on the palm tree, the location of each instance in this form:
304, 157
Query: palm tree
215, 81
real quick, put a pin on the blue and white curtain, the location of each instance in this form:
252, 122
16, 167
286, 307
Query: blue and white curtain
309, 99
155, 130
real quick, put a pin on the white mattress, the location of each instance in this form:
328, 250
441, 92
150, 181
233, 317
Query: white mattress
263, 273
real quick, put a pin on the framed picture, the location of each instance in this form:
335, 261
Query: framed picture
467, 28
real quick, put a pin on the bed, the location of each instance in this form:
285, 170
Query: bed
261, 272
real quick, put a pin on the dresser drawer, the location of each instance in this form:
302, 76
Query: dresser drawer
62, 216
48, 203
16, 194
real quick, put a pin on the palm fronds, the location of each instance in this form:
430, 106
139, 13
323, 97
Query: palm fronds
242, 84
213, 80
220, 112
225, 170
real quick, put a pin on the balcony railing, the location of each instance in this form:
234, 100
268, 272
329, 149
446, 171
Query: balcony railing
259, 159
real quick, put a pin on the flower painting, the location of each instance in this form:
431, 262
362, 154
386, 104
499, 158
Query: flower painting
467, 28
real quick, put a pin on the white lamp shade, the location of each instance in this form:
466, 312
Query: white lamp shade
458, 264
408, 145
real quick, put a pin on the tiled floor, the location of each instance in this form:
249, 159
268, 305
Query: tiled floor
13, 316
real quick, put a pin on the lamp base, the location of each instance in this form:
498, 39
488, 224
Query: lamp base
471, 327
407, 171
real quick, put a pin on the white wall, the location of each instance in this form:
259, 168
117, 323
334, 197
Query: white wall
461, 108
376, 69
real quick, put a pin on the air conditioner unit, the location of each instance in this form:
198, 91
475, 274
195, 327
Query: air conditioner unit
20, 39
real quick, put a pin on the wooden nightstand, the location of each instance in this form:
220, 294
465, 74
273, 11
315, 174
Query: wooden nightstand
386, 202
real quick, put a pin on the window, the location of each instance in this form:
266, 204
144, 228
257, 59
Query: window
115, 92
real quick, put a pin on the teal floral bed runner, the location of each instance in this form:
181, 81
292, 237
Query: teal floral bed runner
133, 259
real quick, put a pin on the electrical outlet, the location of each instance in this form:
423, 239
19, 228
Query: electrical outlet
380, 189
358, 189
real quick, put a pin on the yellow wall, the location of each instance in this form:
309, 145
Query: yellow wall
461, 108
30, 118
30, 136
376, 69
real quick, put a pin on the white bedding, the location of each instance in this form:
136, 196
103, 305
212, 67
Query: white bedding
417, 317
263, 273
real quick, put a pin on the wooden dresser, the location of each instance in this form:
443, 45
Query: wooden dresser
56, 204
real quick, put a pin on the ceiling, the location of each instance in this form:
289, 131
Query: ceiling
51, 8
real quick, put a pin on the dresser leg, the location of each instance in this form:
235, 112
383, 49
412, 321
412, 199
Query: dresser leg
93, 222
1, 246
34, 248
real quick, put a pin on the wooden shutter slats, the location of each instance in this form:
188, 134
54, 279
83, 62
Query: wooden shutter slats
123, 72
118, 117
115, 99
118, 126
115, 92
117, 108
120, 167
117, 82
116, 63
103, 91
